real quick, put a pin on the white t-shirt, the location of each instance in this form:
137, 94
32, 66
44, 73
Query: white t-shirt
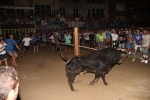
52, 38
27, 41
86, 36
2, 48
114, 36
146, 40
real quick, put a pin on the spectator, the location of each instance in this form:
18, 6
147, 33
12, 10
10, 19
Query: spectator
68, 42
86, 38
100, 38
26, 44
145, 46
53, 41
3, 52
10, 49
8, 83
130, 42
122, 39
108, 37
44, 38
114, 38
138, 41
34, 44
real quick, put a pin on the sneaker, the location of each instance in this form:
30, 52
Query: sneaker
143, 60
12, 63
16, 65
146, 61
133, 59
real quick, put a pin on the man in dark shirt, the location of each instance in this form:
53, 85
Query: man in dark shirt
122, 40
92, 39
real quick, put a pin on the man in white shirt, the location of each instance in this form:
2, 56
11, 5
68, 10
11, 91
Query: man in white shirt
26, 42
114, 38
145, 45
52, 40
3, 52
86, 38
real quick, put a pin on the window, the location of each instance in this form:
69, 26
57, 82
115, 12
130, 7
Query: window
42, 9
95, 1
95, 12
99, 1
75, 12
62, 11
76, 1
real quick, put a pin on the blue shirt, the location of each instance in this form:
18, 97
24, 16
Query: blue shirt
108, 34
67, 39
138, 38
34, 38
11, 43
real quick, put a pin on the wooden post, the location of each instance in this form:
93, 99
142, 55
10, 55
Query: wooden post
76, 41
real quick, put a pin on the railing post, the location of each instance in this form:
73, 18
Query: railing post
76, 41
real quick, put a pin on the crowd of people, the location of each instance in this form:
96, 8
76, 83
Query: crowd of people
132, 39
58, 20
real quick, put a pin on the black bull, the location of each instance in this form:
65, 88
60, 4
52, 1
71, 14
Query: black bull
99, 62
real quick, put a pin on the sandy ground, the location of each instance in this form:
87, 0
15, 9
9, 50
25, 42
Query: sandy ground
42, 77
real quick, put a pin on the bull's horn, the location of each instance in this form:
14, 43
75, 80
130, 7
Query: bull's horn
120, 61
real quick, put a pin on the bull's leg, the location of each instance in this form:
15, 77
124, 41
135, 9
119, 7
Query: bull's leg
97, 76
71, 78
103, 78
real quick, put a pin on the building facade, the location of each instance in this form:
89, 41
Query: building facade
77, 8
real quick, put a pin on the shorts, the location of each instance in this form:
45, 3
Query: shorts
68, 46
136, 47
34, 44
2, 57
26, 48
86, 41
11, 52
101, 43
44, 40
145, 50
108, 38
130, 45
121, 45
53, 44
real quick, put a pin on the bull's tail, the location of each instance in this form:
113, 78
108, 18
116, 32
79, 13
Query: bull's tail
58, 48
61, 55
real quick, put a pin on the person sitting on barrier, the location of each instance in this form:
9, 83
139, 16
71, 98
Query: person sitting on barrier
8, 83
